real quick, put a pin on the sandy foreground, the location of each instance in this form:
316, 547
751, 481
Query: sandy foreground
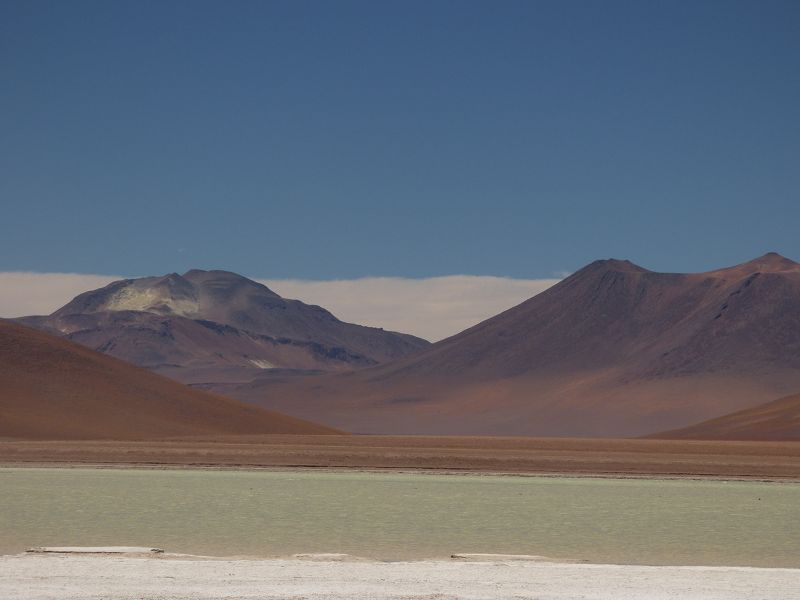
59, 577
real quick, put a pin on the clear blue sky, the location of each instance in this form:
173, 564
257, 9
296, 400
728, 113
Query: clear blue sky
345, 139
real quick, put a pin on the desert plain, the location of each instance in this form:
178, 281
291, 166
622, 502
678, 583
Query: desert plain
479, 454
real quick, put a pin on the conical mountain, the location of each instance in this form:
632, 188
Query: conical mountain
613, 350
204, 327
51, 388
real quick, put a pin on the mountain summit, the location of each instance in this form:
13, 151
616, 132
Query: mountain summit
613, 350
204, 327
195, 294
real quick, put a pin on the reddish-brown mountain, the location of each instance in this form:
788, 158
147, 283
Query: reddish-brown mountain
51, 388
215, 326
613, 350
776, 420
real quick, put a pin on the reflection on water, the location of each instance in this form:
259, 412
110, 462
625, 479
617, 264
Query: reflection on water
401, 516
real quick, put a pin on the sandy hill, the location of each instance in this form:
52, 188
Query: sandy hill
51, 388
212, 326
613, 350
776, 420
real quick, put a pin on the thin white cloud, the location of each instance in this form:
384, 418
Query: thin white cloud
23, 294
432, 308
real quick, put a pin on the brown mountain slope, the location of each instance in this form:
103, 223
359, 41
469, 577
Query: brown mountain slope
53, 389
216, 326
776, 420
613, 350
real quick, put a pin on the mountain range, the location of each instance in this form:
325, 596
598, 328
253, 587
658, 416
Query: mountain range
612, 350
215, 326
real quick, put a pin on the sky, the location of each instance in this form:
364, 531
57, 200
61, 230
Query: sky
323, 141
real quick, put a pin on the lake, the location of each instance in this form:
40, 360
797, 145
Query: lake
393, 516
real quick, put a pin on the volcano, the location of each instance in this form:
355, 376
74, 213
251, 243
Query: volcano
613, 350
206, 327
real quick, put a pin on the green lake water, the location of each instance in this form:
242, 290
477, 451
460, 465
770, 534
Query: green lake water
403, 516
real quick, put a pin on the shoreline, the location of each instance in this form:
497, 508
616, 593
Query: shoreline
469, 558
403, 471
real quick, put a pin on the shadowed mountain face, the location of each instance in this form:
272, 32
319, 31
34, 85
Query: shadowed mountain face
776, 420
613, 350
51, 388
212, 326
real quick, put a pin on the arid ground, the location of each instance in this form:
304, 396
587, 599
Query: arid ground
596, 457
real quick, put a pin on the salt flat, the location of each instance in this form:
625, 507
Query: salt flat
52, 577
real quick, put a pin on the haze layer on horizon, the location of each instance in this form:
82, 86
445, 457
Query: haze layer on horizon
432, 308
325, 141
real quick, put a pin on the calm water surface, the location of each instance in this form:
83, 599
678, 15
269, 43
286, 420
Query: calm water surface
403, 516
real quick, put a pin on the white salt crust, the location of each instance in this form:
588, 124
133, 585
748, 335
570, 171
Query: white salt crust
73, 577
